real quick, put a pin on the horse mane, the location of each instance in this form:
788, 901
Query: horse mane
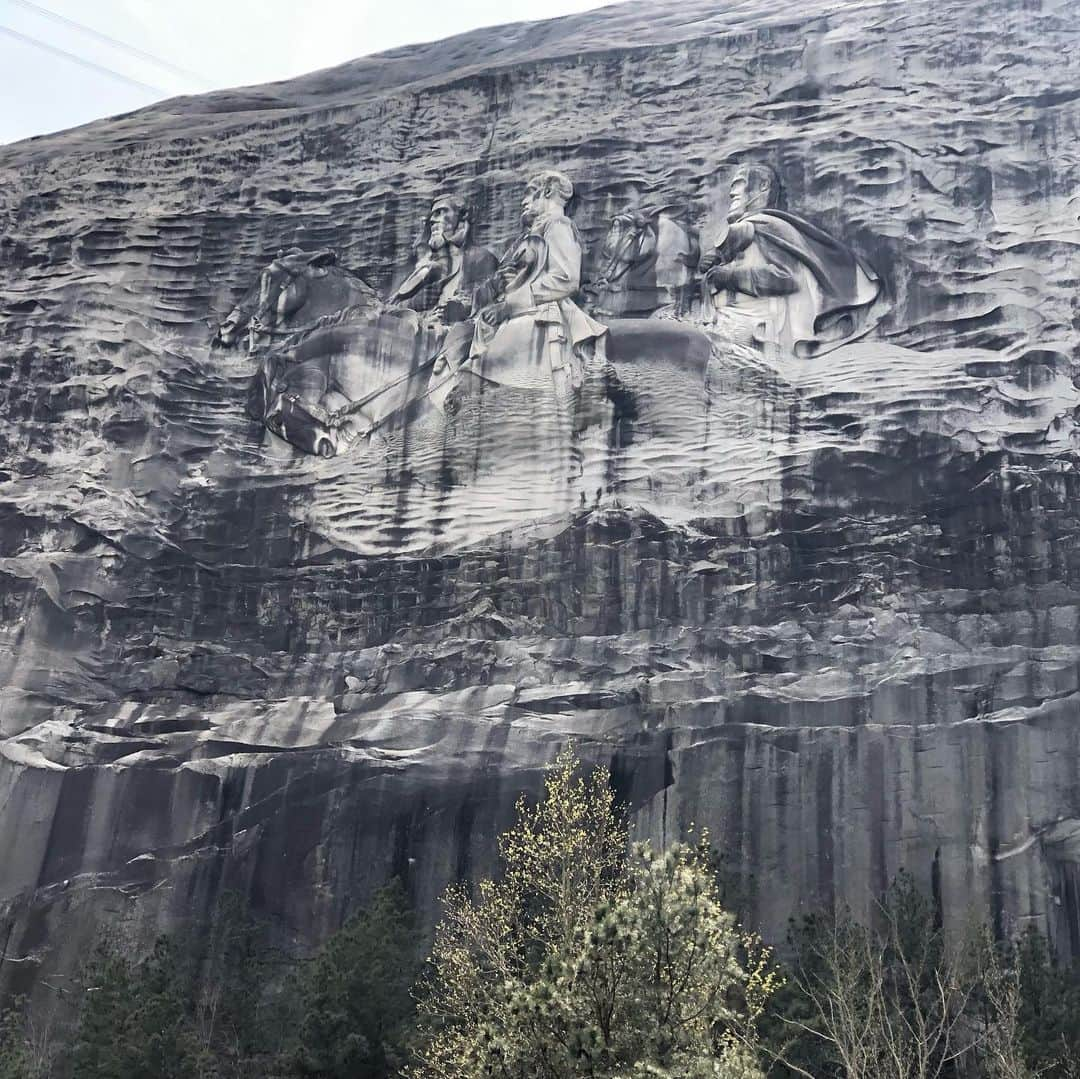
672, 206
359, 279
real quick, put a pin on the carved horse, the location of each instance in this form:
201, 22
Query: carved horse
344, 381
295, 284
648, 261
353, 364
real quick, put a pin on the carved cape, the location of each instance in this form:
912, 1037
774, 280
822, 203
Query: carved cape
829, 289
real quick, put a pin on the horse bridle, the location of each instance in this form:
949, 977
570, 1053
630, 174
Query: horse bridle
610, 274
255, 324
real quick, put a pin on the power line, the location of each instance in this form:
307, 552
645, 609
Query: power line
114, 42
82, 61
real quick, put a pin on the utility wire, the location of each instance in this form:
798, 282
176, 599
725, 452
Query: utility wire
157, 91
116, 43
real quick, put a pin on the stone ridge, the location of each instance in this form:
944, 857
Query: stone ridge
825, 604
615, 29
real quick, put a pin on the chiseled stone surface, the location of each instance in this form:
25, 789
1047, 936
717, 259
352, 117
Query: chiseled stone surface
822, 601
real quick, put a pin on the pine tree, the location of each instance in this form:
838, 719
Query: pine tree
1049, 1007
16, 1053
107, 1028
354, 995
136, 1019
238, 1005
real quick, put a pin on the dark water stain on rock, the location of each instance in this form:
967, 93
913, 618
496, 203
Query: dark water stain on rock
827, 608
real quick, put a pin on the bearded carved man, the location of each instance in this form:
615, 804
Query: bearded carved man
794, 286
532, 334
448, 268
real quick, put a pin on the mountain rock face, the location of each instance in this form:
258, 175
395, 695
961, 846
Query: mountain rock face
750, 465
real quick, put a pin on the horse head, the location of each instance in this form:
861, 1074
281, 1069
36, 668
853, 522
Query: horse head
282, 290
630, 245
648, 260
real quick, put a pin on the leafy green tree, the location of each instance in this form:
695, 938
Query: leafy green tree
354, 997
560, 861
581, 962
655, 986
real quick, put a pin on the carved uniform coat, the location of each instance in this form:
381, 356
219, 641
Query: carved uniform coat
541, 342
807, 290
447, 291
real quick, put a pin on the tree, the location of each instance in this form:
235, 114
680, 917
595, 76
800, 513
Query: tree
354, 996
135, 1020
582, 962
219, 1006
892, 1002
24, 1052
186, 1011
236, 1000
655, 986
560, 861
106, 1019
826, 1017
1001, 1050
1048, 1005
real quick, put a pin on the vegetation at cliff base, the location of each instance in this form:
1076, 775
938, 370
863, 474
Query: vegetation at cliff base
583, 961
586, 957
231, 1008
353, 1002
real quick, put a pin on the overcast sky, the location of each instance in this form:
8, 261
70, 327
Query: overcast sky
210, 44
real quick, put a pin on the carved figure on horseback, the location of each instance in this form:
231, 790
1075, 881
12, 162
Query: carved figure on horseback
648, 262
296, 281
337, 363
528, 330
781, 282
448, 267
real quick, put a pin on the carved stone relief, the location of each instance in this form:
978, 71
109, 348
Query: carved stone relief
297, 293
805, 577
337, 364
448, 268
649, 261
799, 290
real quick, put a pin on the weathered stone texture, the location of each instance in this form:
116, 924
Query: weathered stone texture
826, 607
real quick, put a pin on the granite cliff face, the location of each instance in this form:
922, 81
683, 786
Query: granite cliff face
822, 596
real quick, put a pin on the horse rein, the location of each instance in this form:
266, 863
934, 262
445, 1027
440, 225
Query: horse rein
609, 275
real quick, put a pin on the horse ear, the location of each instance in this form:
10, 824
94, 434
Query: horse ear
319, 259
